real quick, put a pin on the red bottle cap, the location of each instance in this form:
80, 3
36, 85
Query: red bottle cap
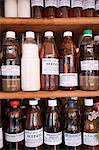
15, 103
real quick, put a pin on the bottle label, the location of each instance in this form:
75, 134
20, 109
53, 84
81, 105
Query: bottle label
1, 138
90, 139
73, 139
18, 137
52, 3
50, 66
89, 65
77, 3
97, 5
68, 79
33, 138
10, 70
52, 138
37, 3
87, 4
62, 3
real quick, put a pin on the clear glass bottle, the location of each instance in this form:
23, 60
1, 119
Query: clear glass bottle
88, 8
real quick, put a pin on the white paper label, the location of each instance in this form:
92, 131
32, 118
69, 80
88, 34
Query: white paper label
68, 79
50, 66
10, 70
52, 138
37, 3
62, 3
90, 139
33, 138
50, 3
18, 137
73, 139
97, 4
89, 65
76, 3
1, 138
88, 4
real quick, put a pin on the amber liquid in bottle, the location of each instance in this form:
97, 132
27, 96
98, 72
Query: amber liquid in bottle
88, 8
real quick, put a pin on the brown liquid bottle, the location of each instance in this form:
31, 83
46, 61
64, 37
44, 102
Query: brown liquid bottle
50, 8
88, 8
49, 63
14, 134
76, 8
37, 8
68, 74
52, 128
90, 139
63, 8
97, 8
1, 130
1, 8
33, 127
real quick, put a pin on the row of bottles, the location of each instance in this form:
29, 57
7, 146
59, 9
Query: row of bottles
32, 69
49, 8
58, 126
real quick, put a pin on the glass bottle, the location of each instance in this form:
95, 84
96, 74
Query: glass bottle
52, 128
10, 68
33, 127
89, 65
14, 134
96, 39
37, 8
63, 8
49, 63
76, 8
68, 74
1, 8
97, 8
50, 8
90, 139
88, 8
1, 131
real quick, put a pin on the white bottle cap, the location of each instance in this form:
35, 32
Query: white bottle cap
88, 102
96, 38
30, 34
10, 34
33, 102
48, 33
74, 98
67, 33
52, 102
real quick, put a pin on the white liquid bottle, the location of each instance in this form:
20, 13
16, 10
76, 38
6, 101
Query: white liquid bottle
30, 64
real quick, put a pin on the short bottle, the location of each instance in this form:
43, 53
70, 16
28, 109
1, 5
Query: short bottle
1, 129
88, 8
97, 8
68, 76
49, 63
30, 76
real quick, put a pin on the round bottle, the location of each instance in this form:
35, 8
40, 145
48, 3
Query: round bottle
88, 8
97, 8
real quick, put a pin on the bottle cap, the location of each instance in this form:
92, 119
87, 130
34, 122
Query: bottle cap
10, 34
15, 103
33, 102
88, 102
30, 34
52, 102
87, 33
48, 33
96, 38
67, 33
74, 98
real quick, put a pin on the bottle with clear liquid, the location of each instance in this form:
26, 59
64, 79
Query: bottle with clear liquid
88, 8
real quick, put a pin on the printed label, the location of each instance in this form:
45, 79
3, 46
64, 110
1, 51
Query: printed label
10, 70
37, 3
50, 3
1, 138
90, 139
73, 139
76, 3
62, 3
33, 138
97, 5
88, 4
52, 138
68, 79
18, 137
89, 65
50, 66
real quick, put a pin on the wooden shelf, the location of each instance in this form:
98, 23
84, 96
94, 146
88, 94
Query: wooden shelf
47, 94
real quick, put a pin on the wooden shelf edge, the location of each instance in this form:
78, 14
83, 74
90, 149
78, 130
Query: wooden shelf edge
47, 94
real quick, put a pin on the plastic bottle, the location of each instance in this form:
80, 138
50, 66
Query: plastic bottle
88, 8
30, 64
97, 8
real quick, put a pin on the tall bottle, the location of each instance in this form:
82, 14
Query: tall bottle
97, 8
1, 130
68, 74
50, 8
30, 76
14, 134
52, 129
1, 8
10, 68
33, 127
90, 139
37, 8
63, 8
89, 65
49, 63
88, 8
